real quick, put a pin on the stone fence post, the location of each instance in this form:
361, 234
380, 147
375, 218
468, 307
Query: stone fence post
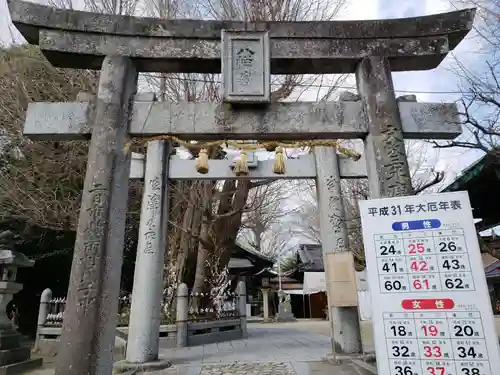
242, 307
182, 315
43, 311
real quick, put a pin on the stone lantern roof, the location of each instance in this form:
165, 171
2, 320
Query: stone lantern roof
7, 253
15, 258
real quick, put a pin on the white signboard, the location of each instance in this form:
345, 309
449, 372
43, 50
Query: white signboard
431, 309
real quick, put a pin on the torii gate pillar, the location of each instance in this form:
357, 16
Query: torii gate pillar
87, 339
386, 162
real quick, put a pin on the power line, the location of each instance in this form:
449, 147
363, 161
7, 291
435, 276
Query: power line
316, 86
329, 86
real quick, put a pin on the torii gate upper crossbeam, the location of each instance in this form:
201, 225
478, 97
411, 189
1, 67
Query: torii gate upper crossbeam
76, 39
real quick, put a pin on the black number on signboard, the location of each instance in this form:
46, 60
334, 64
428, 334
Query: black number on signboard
388, 268
455, 264
447, 246
472, 371
454, 284
395, 210
463, 331
463, 352
390, 285
398, 330
400, 351
403, 370
384, 250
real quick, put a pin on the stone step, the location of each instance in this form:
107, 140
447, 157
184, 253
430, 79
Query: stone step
364, 367
14, 355
13, 339
25, 339
9, 340
21, 367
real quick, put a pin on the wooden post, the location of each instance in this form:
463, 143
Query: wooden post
387, 166
182, 315
345, 334
90, 318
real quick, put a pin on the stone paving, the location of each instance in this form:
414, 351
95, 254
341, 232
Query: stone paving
293, 368
298, 348
305, 368
264, 344
248, 369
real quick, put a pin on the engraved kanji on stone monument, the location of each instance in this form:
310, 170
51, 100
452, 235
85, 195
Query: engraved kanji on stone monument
245, 67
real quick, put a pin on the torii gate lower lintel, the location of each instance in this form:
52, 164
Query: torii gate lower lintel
123, 46
207, 121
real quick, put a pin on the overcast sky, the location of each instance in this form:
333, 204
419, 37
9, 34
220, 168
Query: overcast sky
427, 85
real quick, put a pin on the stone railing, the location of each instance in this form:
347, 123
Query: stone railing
199, 321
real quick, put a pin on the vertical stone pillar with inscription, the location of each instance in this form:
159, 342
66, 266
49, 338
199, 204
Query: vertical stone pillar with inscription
145, 314
387, 166
88, 333
344, 322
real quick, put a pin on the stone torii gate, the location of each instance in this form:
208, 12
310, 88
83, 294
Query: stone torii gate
123, 46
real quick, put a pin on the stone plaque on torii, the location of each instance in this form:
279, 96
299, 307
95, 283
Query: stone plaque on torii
123, 46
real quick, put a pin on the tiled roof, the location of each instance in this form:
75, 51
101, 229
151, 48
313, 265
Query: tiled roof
488, 260
254, 252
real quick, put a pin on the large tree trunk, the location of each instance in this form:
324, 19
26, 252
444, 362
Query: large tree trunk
228, 228
186, 234
203, 253
199, 285
178, 207
205, 239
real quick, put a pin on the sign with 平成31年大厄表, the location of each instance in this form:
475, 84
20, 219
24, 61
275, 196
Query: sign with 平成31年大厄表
433, 315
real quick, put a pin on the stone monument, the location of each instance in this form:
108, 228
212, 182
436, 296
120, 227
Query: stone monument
14, 357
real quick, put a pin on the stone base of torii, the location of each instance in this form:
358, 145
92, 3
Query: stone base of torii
121, 47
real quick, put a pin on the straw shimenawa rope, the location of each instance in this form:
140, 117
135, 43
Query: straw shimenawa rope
202, 161
241, 166
279, 161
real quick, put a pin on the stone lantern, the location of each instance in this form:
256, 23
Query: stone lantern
265, 281
265, 278
14, 358
265, 297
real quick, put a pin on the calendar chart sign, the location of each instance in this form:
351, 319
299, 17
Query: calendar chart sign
433, 314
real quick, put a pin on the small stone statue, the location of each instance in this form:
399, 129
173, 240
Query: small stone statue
285, 313
14, 317
287, 303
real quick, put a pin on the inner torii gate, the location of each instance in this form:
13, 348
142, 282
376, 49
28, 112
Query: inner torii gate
123, 46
